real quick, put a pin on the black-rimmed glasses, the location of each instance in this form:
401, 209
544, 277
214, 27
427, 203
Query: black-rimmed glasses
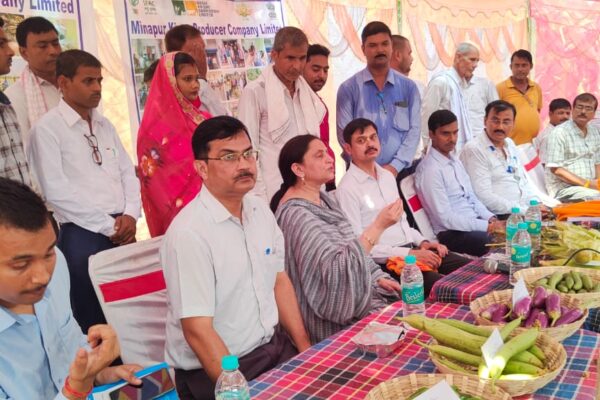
93, 143
248, 155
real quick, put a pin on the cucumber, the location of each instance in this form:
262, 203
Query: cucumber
587, 282
577, 279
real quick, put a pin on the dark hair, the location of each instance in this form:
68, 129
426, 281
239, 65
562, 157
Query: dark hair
289, 35
317, 50
68, 62
558, 104
292, 152
398, 42
524, 54
586, 97
1, 23
373, 28
182, 59
178, 35
149, 72
499, 106
21, 207
33, 25
358, 124
440, 118
216, 128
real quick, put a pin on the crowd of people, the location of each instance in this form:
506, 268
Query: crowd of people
261, 257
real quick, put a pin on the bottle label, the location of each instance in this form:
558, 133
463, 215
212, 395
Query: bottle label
520, 254
413, 294
510, 231
534, 227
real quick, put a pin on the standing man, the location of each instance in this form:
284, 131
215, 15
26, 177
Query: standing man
559, 112
402, 59
13, 163
458, 90
385, 97
279, 105
525, 95
573, 162
188, 39
223, 261
86, 176
36, 91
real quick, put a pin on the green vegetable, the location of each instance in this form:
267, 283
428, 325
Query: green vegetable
577, 279
569, 282
455, 367
507, 329
554, 279
587, 282
536, 351
597, 288
529, 358
417, 321
518, 367
449, 352
563, 288
454, 337
516, 377
417, 393
515, 345
467, 327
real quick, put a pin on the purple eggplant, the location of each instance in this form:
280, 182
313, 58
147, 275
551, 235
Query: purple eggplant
539, 296
541, 320
522, 308
487, 313
499, 315
563, 309
571, 315
532, 317
553, 307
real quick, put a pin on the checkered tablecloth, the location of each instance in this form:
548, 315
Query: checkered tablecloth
336, 369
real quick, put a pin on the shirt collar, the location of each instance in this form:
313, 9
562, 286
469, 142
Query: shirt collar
359, 175
367, 76
442, 159
7, 319
510, 84
71, 116
217, 210
461, 81
283, 87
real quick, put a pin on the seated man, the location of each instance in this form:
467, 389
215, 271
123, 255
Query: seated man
43, 353
559, 112
368, 188
573, 159
492, 162
223, 258
458, 218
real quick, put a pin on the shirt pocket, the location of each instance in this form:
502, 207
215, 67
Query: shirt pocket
110, 160
401, 119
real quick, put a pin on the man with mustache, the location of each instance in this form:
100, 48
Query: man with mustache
279, 105
366, 189
492, 162
573, 158
559, 112
223, 261
458, 90
460, 221
385, 97
86, 177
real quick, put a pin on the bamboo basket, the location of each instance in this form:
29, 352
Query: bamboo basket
559, 333
556, 358
403, 387
531, 275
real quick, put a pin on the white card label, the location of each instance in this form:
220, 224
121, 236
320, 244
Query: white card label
491, 347
519, 291
440, 391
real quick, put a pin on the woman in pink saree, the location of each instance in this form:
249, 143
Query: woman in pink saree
164, 142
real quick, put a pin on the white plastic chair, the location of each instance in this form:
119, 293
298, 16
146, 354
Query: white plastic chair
407, 186
130, 286
534, 170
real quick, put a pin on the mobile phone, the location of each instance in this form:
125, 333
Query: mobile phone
156, 385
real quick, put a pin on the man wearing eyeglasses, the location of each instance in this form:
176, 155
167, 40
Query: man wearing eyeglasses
85, 175
573, 157
223, 262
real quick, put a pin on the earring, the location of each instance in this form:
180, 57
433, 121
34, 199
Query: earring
303, 181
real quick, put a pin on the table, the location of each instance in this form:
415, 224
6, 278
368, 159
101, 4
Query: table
335, 369
470, 282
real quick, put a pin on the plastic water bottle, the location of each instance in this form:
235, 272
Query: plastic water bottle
511, 227
231, 383
413, 294
533, 217
520, 251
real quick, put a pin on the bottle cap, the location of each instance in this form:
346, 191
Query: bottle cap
229, 363
533, 202
410, 259
522, 225
515, 210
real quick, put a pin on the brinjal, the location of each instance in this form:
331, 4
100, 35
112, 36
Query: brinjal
553, 307
500, 313
569, 316
539, 296
487, 313
522, 308
541, 320
532, 317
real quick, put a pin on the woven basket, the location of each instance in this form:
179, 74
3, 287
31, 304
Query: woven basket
556, 358
403, 387
559, 333
531, 275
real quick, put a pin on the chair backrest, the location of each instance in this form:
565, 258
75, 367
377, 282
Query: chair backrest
130, 286
534, 169
407, 186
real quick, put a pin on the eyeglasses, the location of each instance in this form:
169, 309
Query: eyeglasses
581, 107
93, 143
380, 96
248, 155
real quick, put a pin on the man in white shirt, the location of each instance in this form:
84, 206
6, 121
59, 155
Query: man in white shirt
367, 188
279, 105
493, 164
458, 90
188, 39
85, 175
559, 112
36, 91
458, 218
223, 261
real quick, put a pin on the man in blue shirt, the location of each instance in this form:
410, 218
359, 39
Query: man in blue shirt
43, 353
385, 97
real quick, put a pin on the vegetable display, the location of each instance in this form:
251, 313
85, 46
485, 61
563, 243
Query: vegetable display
569, 282
569, 244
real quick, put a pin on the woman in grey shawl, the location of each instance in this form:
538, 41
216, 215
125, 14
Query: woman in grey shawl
336, 281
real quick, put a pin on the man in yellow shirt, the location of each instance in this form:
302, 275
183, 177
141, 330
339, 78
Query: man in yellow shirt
525, 95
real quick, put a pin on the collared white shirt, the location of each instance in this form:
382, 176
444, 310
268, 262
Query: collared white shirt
218, 266
444, 188
362, 198
210, 100
16, 95
79, 190
540, 142
498, 177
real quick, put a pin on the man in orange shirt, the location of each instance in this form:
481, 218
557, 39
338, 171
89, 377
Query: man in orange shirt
525, 95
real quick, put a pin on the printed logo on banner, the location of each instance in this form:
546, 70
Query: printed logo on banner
272, 13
